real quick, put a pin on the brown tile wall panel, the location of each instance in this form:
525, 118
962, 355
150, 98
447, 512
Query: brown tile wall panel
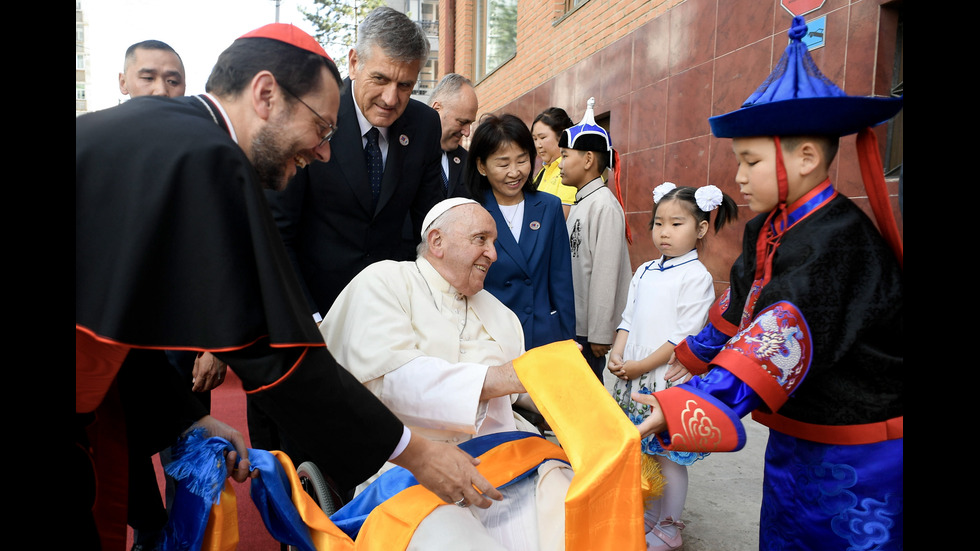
692, 34
649, 116
689, 103
660, 68
651, 46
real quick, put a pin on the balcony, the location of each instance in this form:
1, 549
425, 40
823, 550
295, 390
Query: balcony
431, 28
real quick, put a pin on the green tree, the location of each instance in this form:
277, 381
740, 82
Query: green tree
336, 24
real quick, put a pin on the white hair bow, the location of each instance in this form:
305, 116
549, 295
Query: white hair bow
661, 190
708, 198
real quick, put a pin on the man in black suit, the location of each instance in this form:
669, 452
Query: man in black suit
455, 100
334, 220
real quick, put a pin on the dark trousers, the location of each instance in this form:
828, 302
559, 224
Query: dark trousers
147, 511
597, 363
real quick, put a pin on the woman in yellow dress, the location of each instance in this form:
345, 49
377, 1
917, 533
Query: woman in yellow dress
545, 129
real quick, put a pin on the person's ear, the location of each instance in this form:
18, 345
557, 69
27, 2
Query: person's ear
437, 105
263, 90
702, 229
435, 240
480, 167
352, 63
122, 84
810, 156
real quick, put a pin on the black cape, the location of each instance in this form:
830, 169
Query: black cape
175, 248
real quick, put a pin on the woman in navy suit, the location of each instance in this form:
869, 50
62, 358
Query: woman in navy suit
533, 271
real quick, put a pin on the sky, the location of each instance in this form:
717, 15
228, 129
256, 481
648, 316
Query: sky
199, 30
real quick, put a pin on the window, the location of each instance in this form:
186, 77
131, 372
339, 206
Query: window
429, 19
896, 130
79, 61
430, 11
496, 24
79, 92
427, 78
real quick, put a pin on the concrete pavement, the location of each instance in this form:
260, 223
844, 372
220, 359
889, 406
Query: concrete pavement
724, 495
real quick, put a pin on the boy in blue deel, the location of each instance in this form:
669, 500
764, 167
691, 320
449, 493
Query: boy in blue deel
809, 335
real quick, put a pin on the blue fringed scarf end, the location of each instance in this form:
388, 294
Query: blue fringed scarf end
202, 461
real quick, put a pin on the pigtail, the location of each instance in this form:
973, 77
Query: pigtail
727, 212
709, 198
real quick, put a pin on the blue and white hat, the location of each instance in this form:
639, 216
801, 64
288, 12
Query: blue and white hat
588, 136
798, 100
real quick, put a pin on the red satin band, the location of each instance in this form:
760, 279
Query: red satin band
619, 194
869, 433
874, 183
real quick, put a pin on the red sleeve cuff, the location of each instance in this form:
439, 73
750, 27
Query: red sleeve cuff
697, 422
690, 360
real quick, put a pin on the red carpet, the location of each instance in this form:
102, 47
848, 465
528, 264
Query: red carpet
228, 405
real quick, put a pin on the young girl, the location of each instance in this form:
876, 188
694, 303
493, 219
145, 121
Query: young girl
668, 300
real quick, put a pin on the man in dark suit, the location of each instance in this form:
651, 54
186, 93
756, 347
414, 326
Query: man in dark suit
455, 100
334, 219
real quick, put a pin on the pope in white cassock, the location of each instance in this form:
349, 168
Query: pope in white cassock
436, 349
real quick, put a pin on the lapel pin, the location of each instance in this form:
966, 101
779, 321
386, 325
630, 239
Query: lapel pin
456, 160
403, 139
535, 225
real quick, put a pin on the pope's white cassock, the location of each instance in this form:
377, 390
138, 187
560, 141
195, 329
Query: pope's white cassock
424, 349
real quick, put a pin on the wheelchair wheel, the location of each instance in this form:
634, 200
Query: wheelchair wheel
316, 486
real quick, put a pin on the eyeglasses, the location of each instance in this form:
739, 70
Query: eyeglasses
331, 129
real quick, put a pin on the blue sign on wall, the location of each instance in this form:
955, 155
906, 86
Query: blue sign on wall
816, 31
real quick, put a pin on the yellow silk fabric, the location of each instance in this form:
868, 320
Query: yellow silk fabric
603, 507
222, 531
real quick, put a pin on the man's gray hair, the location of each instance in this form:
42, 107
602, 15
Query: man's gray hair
399, 37
449, 86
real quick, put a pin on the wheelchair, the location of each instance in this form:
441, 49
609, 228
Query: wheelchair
600, 443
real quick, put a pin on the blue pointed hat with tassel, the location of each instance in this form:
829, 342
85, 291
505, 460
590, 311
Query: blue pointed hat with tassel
798, 100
